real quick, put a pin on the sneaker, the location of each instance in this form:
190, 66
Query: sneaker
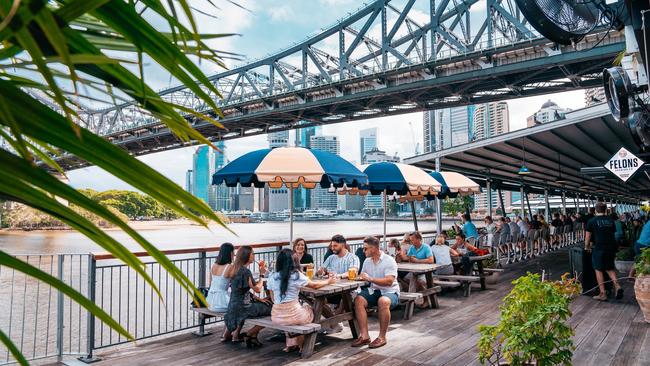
600, 297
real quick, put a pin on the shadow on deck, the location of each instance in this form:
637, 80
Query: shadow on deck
607, 333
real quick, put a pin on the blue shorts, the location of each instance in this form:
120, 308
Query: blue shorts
374, 298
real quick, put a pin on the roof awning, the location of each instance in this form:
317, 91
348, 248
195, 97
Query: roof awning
554, 154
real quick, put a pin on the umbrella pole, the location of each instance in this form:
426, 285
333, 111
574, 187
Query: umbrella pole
290, 215
384, 195
415, 218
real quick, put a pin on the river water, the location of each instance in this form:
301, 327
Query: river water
185, 235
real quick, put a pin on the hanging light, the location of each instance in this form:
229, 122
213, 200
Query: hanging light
559, 168
524, 169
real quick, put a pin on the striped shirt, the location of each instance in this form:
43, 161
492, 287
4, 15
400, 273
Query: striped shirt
340, 265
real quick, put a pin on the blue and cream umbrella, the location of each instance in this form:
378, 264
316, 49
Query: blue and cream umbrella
400, 180
292, 167
455, 184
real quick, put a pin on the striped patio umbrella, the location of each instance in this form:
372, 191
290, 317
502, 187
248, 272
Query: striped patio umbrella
455, 184
398, 180
292, 167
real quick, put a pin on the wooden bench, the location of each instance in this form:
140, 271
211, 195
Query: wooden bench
466, 281
447, 284
205, 313
492, 270
308, 330
409, 298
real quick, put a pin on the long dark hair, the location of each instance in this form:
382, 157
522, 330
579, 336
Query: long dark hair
285, 266
241, 259
225, 254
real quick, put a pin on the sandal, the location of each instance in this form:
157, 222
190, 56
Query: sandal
241, 338
291, 349
252, 341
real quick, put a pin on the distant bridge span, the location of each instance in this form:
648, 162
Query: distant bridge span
389, 57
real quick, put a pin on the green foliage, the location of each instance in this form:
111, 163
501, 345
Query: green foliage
642, 265
454, 206
57, 56
532, 326
133, 204
625, 254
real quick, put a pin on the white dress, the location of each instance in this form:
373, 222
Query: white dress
218, 296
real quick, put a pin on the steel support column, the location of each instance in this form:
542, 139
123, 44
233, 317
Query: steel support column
547, 205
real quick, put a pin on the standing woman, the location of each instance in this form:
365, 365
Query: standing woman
300, 251
285, 283
243, 303
218, 296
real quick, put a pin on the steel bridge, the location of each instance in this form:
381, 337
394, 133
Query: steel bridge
387, 58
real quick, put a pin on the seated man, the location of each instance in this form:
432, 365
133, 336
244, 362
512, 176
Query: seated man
465, 250
380, 270
338, 264
419, 253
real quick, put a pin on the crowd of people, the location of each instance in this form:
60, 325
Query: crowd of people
238, 294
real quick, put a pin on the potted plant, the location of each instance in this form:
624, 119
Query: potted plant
532, 329
642, 283
624, 260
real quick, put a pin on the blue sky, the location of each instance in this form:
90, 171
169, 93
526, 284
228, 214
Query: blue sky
267, 26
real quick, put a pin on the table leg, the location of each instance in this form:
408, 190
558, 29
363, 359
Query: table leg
433, 301
481, 274
317, 308
348, 306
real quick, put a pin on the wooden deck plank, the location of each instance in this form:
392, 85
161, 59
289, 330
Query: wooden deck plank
606, 333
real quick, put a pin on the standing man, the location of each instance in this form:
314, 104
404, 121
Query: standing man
601, 231
380, 269
468, 227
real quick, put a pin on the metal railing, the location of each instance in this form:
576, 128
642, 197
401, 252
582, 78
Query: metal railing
43, 323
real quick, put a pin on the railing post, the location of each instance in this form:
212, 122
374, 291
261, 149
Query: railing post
202, 275
90, 326
59, 310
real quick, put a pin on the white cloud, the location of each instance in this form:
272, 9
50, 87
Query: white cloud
281, 13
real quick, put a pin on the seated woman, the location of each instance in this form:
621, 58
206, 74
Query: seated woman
243, 304
300, 251
218, 296
285, 283
442, 256
396, 251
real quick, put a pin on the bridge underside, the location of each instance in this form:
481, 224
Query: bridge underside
514, 71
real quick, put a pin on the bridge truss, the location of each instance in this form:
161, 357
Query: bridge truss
389, 57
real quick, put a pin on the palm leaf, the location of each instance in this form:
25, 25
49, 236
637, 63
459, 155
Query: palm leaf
15, 352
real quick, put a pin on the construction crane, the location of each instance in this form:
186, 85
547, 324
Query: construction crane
415, 144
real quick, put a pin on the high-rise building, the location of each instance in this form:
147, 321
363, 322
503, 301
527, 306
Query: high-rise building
455, 127
203, 169
188, 181
321, 198
376, 156
367, 142
491, 119
278, 199
594, 96
547, 113
303, 135
220, 156
278, 139
429, 129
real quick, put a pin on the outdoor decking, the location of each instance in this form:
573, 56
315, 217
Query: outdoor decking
609, 333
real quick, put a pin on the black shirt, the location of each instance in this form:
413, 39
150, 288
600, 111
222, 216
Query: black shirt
362, 257
306, 259
602, 229
556, 222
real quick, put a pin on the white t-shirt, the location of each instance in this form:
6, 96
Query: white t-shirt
296, 281
386, 266
442, 254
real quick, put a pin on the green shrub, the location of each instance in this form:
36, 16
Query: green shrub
532, 326
625, 254
642, 265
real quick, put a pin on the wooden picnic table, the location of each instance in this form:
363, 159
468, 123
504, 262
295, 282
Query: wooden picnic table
478, 259
343, 288
422, 268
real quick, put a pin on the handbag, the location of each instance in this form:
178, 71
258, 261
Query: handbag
198, 303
